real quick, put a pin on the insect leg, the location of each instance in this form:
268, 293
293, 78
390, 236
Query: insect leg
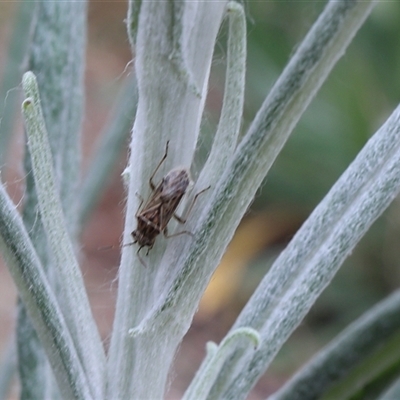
140, 258
140, 205
148, 249
177, 234
183, 220
152, 185
167, 236
130, 244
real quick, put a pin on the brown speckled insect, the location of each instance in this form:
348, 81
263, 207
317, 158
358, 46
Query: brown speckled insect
154, 216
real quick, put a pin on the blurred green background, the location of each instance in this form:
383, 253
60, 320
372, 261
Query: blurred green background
359, 95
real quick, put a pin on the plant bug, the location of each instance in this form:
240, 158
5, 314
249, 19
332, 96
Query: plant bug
154, 216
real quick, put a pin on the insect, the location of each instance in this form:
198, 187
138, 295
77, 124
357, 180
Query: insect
153, 217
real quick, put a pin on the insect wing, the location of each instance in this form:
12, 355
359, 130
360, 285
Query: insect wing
174, 184
149, 217
153, 217
173, 188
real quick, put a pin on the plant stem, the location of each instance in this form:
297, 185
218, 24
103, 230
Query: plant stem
74, 299
108, 149
40, 302
173, 59
362, 338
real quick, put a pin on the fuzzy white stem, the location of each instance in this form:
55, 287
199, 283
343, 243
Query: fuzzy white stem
216, 356
75, 303
174, 47
40, 302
